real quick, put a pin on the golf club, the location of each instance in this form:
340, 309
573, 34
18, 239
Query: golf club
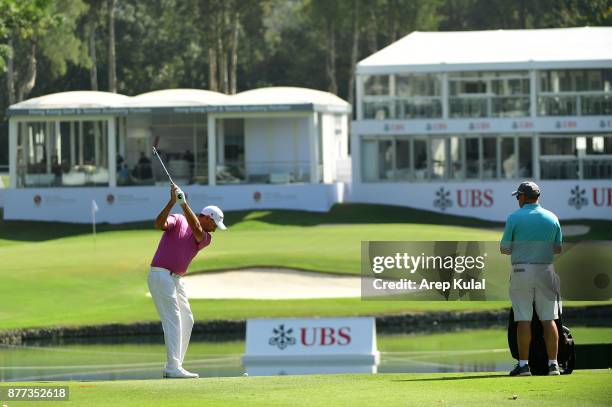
164, 167
162, 164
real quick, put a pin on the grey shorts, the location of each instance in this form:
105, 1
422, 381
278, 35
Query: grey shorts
537, 283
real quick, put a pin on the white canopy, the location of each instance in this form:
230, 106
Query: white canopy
179, 97
167, 100
288, 96
82, 99
556, 48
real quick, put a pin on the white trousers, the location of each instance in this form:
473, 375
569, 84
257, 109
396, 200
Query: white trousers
172, 305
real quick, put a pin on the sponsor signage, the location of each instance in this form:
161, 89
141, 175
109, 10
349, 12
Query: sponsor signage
572, 199
123, 111
501, 125
314, 340
132, 204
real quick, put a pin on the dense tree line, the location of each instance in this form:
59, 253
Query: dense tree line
133, 46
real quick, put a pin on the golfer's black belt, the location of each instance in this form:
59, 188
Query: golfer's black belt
520, 270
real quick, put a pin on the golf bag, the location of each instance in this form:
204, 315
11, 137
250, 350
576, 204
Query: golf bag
538, 358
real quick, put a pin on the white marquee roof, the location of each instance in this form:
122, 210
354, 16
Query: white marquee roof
174, 100
555, 48
179, 97
288, 95
82, 99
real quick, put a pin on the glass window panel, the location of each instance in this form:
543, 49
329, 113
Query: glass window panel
597, 169
592, 105
489, 157
378, 110
456, 161
232, 166
376, 85
575, 80
385, 159
37, 173
599, 145
402, 159
438, 158
369, 160
464, 87
47, 155
508, 158
559, 168
557, 146
472, 158
200, 168
511, 106
420, 160
468, 107
418, 85
552, 105
525, 158
418, 108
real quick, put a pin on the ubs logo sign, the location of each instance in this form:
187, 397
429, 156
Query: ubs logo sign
282, 337
442, 199
465, 198
311, 337
578, 198
600, 197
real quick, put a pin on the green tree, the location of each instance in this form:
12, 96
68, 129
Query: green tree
39, 29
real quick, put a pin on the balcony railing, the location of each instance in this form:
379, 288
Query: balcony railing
477, 106
575, 104
597, 168
559, 168
272, 172
422, 107
488, 106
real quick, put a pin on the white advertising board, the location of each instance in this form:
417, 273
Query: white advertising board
574, 199
321, 341
132, 204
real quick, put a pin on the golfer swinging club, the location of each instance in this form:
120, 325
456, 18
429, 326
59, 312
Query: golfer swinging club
184, 236
532, 235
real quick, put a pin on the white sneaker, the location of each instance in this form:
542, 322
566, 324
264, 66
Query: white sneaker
179, 373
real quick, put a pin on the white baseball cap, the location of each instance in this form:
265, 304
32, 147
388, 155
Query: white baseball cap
216, 214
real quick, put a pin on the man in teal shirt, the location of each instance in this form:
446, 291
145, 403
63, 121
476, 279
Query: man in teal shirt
531, 236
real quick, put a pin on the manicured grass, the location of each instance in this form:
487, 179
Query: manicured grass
54, 274
584, 388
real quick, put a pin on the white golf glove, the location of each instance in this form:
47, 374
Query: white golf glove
180, 196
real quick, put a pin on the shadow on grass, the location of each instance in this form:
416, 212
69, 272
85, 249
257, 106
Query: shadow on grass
447, 378
339, 214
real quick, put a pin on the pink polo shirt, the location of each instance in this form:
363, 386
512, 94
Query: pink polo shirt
178, 245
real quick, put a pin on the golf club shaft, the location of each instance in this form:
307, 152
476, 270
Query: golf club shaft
162, 164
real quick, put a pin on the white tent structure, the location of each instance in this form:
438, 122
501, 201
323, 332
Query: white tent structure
452, 121
582, 47
265, 148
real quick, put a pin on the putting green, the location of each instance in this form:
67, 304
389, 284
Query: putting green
584, 388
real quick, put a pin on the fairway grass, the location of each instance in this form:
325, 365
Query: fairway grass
582, 388
56, 274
